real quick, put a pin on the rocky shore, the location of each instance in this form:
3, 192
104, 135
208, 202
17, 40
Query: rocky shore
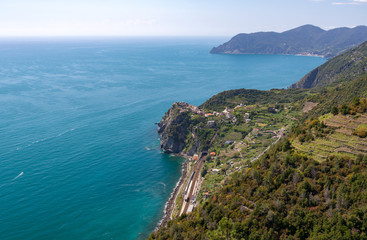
170, 204
173, 129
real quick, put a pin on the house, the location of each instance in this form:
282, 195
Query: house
255, 131
211, 123
200, 112
212, 154
229, 115
273, 110
225, 111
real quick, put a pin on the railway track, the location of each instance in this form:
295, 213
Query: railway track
188, 194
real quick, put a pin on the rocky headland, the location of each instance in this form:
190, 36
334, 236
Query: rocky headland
306, 40
174, 128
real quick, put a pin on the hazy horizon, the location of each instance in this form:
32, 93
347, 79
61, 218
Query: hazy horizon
21, 18
145, 36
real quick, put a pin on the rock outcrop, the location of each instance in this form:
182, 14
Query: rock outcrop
174, 127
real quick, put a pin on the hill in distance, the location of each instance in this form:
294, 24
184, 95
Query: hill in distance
343, 67
304, 40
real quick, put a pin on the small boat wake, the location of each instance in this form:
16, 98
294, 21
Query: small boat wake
10, 181
163, 184
41, 140
19, 175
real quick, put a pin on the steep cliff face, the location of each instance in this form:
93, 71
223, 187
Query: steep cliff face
174, 127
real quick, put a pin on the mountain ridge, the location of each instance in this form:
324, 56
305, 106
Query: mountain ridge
303, 40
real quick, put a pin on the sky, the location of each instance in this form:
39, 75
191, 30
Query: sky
173, 17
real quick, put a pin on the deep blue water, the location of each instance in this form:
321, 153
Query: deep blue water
79, 153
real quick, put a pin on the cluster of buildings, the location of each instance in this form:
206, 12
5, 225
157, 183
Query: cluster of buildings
195, 109
227, 114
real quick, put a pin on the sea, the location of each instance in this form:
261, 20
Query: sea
80, 155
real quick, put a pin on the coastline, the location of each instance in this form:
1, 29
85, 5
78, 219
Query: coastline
284, 54
170, 204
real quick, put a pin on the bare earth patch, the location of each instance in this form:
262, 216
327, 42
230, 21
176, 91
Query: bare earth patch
308, 106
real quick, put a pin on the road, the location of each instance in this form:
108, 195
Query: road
280, 134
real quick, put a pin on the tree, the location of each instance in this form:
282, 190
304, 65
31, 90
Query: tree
344, 109
225, 226
334, 110
204, 172
356, 101
286, 145
361, 131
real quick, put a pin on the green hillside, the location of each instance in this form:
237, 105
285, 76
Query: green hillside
341, 68
311, 184
284, 195
232, 98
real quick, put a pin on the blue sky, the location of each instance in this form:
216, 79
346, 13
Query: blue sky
172, 17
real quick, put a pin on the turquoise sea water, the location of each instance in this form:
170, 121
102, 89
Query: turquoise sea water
79, 153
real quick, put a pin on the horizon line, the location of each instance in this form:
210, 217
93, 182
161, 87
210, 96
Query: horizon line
99, 36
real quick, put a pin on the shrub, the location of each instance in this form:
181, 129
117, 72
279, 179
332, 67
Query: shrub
344, 109
356, 101
334, 110
361, 131
204, 172
286, 146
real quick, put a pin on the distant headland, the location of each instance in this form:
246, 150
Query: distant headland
305, 40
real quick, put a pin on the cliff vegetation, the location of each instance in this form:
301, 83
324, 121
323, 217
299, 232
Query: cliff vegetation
344, 67
283, 164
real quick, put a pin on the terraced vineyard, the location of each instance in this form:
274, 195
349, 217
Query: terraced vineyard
340, 142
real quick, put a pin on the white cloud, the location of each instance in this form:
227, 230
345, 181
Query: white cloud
351, 2
344, 3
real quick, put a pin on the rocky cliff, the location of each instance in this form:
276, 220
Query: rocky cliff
174, 129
